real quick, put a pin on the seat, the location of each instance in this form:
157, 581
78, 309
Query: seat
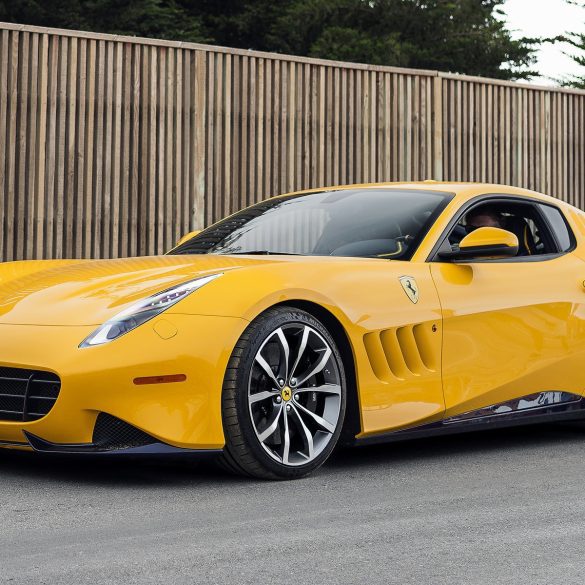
519, 226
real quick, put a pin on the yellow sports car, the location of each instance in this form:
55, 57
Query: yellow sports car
350, 314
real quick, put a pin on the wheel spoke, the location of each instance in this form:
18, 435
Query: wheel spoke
286, 449
291, 429
301, 350
264, 365
324, 424
285, 349
306, 433
271, 428
324, 389
318, 368
262, 396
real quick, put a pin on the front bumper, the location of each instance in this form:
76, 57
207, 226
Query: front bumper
95, 380
112, 436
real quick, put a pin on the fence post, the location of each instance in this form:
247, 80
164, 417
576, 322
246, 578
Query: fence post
199, 152
437, 118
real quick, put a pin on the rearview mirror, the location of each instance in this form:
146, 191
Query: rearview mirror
485, 242
188, 237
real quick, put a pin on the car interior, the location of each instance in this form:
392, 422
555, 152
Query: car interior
521, 219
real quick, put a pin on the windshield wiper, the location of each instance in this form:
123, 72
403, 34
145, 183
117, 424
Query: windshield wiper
260, 253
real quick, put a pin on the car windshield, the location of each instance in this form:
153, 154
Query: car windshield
368, 223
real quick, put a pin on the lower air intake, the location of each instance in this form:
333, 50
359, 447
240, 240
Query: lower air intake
27, 395
112, 433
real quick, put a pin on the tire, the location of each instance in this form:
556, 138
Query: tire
283, 398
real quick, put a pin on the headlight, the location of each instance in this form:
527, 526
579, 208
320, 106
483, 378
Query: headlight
143, 311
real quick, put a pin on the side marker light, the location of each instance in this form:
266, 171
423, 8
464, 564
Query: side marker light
160, 379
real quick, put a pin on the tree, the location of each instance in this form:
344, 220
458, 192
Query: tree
576, 41
148, 18
462, 36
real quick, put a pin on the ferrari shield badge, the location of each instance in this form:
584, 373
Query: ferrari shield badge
410, 288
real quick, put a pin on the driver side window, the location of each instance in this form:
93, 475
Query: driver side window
522, 219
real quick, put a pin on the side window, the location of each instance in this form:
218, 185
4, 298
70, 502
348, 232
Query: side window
522, 219
559, 226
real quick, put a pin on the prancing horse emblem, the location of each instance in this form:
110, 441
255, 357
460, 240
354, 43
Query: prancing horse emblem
410, 288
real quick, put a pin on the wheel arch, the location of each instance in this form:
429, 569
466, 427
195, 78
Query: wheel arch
352, 425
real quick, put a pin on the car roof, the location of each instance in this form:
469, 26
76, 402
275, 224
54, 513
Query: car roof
463, 191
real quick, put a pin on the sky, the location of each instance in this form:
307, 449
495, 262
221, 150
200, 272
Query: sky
547, 18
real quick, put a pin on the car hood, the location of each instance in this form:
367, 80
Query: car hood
89, 292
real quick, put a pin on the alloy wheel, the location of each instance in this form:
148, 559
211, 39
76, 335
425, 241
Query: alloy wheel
294, 394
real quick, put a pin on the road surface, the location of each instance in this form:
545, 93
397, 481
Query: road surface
496, 507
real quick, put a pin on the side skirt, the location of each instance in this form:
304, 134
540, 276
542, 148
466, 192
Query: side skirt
542, 407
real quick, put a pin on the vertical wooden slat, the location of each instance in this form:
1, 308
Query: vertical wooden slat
372, 124
107, 150
256, 131
165, 241
265, 154
70, 105
306, 126
336, 127
184, 169
116, 149
137, 90
21, 194
225, 194
387, 107
162, 161
149, 226
438, 125
144, 175
126, 92
4, 218
88, 150
11, 150
31, 161
299, 116
236, 189
60, 173
360, 102
52, 142
79, 150
351, 127
366, 127
97, 186
287, 138
320, 179
272, 155
580, 199
199, 135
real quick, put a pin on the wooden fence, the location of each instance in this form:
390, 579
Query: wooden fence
114, 146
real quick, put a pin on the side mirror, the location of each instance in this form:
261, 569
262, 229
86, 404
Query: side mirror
485, 242
188, 237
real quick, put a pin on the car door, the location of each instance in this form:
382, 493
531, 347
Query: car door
513, 328
400, 370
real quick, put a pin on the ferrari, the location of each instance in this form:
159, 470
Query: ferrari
339, 316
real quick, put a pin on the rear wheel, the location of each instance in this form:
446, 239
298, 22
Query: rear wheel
284, 396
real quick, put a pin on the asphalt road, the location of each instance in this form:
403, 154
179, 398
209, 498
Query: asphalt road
505, 507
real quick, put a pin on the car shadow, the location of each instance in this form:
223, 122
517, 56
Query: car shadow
459, 445
132, 471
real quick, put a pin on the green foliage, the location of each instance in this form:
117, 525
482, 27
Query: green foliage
148, 18
464, 36
576, 41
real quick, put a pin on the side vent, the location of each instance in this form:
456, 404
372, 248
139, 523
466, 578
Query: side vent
402, 352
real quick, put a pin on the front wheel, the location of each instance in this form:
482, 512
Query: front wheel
284, 396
